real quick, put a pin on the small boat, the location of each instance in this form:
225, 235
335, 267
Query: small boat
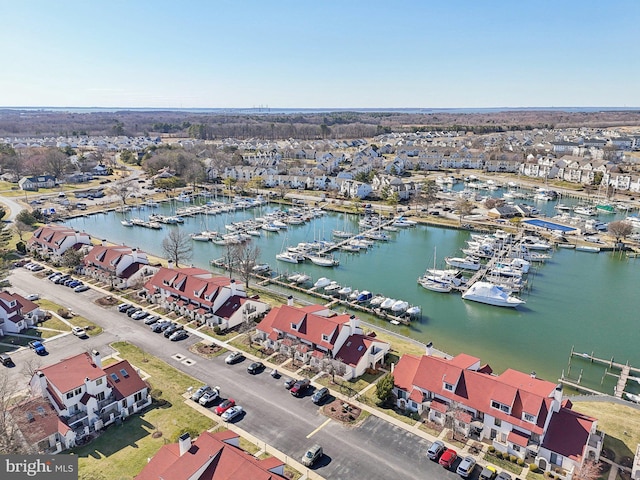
399, 306
588, 248
466, 263
377, 301
435, 285
388, 303
562, 207
332, 287
270, 227
632, 396
588, 211
341, 234
254, 233
344, 291
303, 278
412, 311
491, 294
322, 282
364, 296
324, 260
261, 268
566, 245
354, 295
126, 223
390, 228
605, 208
289, 257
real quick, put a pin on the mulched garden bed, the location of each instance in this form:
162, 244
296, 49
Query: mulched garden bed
107, 301
341, 411
205, 349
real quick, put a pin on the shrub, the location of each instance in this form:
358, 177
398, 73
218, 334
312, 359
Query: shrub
21, 247
217, 330
498, 454
491, 449
534, 468
513, 458
520, 462
64, 313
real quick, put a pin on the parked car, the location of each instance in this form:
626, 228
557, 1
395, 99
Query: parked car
33, 297
466, 466
79, 332
488, 473
435, 450
74, 284
289, 382
300, 387
232, 413
38, 347
139, 315
312, 455
448, 458
53, 276
37, 268
209, 396
151, 319
61, 279
178, 335
224, 406
320, 395
503, 476
234, 357
197, 395
255, 367
6, 360
81, 288
171, 329
133, 310
123, 307
158, 326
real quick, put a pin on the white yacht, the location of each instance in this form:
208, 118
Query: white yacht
491, 294
289, 257
466, 263
388, 303
322, 282
324, 260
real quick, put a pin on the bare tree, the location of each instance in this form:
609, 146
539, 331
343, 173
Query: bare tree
620, 229
56, 162
246, 256
428, 192
454, 417
10, 436
464, 208
589, 470
21, 228
124, 188
177, 246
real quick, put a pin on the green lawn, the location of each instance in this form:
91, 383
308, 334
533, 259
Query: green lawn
504, 464
123, 450
55, 323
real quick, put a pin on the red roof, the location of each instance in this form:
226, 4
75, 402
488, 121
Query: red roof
568, 433
107, 258
193, 283
476, 389
124, 379
312, 328
220, 460
70, 373
52, 236
37, 420
518, 438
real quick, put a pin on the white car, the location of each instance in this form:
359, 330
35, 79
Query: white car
210, 396
79, 332
33, 297
232, 413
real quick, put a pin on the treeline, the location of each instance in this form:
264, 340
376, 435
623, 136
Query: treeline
303, 126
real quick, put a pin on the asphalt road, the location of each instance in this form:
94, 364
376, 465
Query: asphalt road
373, 450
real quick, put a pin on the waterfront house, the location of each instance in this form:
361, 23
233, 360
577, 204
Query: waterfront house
197, 294
87, 397
118, 265
35, 183
51, 241
319, 337
17, 313
519, 413
212, 456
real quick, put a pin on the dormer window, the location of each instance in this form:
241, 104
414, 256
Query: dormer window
12, 304
500, 406
325, 338
527, 417
447, 386
294, 326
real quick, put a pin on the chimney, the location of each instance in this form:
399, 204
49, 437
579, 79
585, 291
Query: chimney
184, 442
353, 323
134, 254
170, 264
97, 359
232, 286
290, 300
533, 374
429, 349
103, 242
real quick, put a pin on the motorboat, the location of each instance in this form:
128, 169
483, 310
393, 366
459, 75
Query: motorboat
254, 233
332, 287
412, 311
535, 243
632, 396
261, 268
324, 260
269, 227
289, 257
491, 294
293, 278
344, 291
303, 278
399, 306
354, 295
364, 296
588, 211
403, 222
322, 282
348, 247
377, 300
466, 263
126, 223
388, 303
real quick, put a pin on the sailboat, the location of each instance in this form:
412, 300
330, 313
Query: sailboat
441, 281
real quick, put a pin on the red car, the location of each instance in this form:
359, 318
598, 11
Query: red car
224, 406
448, 457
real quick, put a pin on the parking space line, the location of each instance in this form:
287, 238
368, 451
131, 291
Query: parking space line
319, 428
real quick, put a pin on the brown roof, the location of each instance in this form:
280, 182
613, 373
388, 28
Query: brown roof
354, 348
22, 304
231, 306
71, 372
37, 420
568, 433
222, 460
124, 379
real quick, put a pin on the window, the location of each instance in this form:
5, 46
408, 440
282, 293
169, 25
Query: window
294, 326
124, 373
124, 403
497, 422
69, 395
495, 404
529, 418
99, 381
137, 397
448, 386
78, 391
114, 377
325, 338
100, 396
515, 448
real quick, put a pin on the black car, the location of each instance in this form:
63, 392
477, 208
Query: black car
160, 326
171, 329
255, 367
133, 310
178, 335
320, 396
289, 382
123, 307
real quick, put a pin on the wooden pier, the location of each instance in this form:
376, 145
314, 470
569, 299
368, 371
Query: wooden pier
610, 364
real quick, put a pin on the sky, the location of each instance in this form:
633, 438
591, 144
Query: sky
320, 54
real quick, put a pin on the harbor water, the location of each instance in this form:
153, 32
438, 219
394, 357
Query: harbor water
576, 298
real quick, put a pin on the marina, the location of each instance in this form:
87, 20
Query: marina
564, 303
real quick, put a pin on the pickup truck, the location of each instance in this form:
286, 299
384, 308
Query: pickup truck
300, 387
37, 347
